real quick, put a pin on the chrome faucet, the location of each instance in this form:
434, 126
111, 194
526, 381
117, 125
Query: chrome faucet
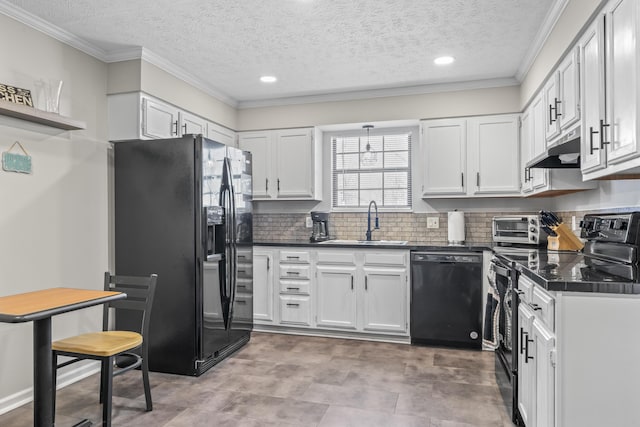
377, 226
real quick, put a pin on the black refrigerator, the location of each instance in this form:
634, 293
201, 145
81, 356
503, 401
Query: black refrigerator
183, 211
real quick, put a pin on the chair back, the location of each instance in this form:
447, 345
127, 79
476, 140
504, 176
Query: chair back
140, 291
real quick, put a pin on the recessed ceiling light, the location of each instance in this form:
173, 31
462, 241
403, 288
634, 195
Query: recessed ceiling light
268, 79
444, 60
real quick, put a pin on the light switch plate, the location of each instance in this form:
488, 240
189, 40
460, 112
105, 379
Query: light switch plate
308, 223
433, 222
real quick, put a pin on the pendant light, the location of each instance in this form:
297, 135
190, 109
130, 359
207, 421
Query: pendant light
370, 157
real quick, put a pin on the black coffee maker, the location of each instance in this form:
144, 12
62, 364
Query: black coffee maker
320, 230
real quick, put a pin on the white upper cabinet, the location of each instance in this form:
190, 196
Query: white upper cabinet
287, 164
221, 134
136, 115
443, 157
569, 89
592, 95
611, 92
259, 144
463, 157
159, 120
294, 155
190, 123
493, 154
552, 109
561, 96
622, 23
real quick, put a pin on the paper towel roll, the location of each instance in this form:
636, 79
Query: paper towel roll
456, 227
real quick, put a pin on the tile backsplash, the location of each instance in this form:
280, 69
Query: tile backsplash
287, 227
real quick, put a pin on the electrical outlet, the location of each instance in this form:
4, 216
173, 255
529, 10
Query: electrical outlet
433, 222
309, 222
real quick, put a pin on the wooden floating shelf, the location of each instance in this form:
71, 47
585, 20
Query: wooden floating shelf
41, 117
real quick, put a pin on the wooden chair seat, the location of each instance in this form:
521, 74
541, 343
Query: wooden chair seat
104, 344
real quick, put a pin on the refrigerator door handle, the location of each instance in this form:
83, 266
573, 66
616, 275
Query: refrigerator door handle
234, 240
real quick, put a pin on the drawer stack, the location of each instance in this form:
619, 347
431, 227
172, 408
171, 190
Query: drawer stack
295, 288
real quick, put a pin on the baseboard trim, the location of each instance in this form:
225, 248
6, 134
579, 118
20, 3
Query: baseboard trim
25, 396
331, 334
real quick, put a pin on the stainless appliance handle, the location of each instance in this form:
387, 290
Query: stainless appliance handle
233, 239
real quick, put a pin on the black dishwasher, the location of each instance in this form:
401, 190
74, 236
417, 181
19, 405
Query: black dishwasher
446, 299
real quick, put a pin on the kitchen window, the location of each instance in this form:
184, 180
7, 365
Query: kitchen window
371, 167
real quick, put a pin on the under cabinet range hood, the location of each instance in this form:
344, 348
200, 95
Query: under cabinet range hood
562, 154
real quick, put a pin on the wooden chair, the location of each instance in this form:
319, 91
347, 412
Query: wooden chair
107, 345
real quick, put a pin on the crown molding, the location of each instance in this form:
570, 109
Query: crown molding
541, 37
185, 76
381, 93
51, 30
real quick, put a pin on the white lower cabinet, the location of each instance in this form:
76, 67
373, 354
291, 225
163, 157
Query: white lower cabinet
536, 355
342, 291
385, 299
263, 296
336, 297
295, 310
363, 291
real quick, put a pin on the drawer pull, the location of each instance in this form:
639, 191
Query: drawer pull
293, 289
242, 271
291, 304
242, 286
293, 273
242, 257
536, 307
292, 257
240, 302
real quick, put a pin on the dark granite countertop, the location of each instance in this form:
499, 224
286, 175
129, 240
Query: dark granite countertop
410, 246
569, 272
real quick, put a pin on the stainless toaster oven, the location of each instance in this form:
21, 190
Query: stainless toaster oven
518, 229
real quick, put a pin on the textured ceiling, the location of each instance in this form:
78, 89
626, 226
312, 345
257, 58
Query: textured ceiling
312, 46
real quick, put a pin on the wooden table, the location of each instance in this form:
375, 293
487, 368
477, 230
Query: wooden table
38, 307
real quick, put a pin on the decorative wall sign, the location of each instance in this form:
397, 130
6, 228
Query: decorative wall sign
16, 162
16, 95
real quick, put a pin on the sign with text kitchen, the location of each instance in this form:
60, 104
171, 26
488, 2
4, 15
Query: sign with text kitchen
16, 95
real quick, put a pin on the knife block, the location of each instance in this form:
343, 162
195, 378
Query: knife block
564, 241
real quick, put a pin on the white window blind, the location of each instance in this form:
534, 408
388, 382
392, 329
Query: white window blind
381, 172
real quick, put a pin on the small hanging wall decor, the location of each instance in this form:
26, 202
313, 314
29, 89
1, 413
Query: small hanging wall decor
16, 162
16, 95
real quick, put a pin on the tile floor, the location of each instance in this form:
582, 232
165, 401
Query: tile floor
288, 380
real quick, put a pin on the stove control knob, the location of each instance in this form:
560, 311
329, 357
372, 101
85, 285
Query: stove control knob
532, 229
532, 221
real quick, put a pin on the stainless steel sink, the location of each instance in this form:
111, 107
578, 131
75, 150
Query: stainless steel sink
365, 242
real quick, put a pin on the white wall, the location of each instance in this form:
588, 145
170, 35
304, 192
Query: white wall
431, 105
609, 195
572, 21
53, 223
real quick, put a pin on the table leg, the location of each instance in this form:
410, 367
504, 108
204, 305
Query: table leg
42, 374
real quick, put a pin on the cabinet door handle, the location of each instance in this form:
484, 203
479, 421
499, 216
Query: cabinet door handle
290, 304
278, 185
175, 124
478, 179
526, 350
351, 282
551, 120
602, 141
266, 184
184, 127
591, 133
462, 179
557, 102
268, 264
366, 283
